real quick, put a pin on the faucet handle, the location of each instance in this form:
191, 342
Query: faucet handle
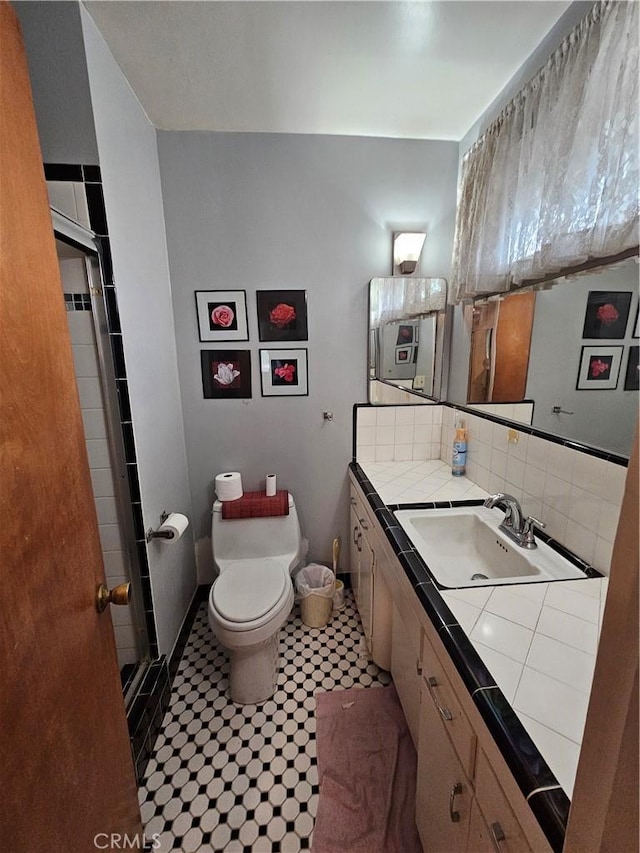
528, 539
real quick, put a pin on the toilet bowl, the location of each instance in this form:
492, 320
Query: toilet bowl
252, 596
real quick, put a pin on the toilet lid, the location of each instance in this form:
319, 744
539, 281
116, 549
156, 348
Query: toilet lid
248, 590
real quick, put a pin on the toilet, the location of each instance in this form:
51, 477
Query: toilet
252, 596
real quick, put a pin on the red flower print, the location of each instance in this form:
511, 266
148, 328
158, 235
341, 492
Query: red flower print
286, 372
222, 316
282, 315
607, 314
597, 367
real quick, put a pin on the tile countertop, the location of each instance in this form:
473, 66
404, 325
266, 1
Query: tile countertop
538, 640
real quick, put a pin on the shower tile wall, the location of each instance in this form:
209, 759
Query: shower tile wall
80, 320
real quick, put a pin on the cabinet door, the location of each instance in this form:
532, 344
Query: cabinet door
499, 826
355, 550
405, 668
443, 794
365, 586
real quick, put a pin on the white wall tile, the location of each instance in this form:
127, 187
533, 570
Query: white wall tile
534, 479
386, 416
499, 463
403, 452
98, 452
384, 452
95, 425
110, 537
405, 416
581, 540
602, 555
561, 461
365, 435
424, 415
538, 452
366, 416
85, 360
80, 324
107, 511
608, 523
518, 449
116, 567
102, 482
366, 453
385, 435
557, 494
515, 471
90, 393
420, 451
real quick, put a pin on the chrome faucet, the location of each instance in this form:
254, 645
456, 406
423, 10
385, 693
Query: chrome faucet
516, 527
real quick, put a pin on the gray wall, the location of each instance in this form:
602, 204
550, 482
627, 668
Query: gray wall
602, 418
133, 200
260, 211
52, 34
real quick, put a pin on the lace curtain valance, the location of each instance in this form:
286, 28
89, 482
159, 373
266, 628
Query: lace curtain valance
554, 181
404, 298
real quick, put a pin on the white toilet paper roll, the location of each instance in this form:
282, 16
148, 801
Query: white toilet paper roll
271, 485
176, 523
229, 486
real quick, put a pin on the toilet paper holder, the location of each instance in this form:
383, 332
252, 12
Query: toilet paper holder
159, 534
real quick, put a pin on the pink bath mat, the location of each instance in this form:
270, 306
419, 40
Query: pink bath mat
367, 770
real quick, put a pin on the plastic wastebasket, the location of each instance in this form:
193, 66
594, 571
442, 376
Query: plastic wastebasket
315, 585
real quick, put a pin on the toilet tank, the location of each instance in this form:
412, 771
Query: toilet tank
247, 538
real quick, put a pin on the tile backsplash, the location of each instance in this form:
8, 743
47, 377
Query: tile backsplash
398, 433
578, 496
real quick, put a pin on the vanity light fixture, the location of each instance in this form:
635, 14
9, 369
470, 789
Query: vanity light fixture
407, 246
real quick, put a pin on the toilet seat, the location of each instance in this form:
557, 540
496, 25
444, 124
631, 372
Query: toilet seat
249, 590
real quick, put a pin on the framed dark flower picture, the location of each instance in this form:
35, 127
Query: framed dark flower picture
606, 315
282, 315
226, 374
599, 368
405, 335
632, 376
222, 315
403, 355
283, 372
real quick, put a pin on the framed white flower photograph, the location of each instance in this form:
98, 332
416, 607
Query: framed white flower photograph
283, 372
222, 315
226, 374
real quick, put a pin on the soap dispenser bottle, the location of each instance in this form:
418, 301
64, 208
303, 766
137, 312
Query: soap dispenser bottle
459, 460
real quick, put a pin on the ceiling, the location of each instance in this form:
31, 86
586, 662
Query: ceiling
423, 70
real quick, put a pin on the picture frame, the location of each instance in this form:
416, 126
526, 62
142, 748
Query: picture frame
226, 374
403, 354
282, 315
632, 374
222, 315
405, 335
606, 314
284, 372
599, 368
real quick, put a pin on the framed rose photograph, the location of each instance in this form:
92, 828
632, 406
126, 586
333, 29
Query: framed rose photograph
405, 335
606, 315
284, 372
599, 368
403, 355
222, 315
282, 315
226, 374
632, 376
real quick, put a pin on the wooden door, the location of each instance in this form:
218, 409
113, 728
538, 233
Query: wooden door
512, 345
67, 772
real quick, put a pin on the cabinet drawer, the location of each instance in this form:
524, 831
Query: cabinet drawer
502, 826
438, 691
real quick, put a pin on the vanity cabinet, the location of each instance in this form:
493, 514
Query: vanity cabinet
368, 554
467, 800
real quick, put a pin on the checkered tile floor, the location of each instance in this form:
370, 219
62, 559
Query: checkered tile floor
227, 777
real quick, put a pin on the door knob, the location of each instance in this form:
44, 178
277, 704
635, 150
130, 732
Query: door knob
120, 594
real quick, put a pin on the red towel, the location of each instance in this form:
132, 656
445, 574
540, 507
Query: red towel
256, 505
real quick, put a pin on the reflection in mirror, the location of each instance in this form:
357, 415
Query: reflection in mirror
406, 323
570, 348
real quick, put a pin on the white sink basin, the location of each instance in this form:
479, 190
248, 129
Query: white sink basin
458, 544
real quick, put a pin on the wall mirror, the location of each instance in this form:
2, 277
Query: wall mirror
570, 348
406, 331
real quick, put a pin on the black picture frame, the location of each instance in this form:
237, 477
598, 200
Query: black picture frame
213, 386
284, 372
405, 335
599, 368
606, 314
632, 376
404, 354
233, 323
282, 315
